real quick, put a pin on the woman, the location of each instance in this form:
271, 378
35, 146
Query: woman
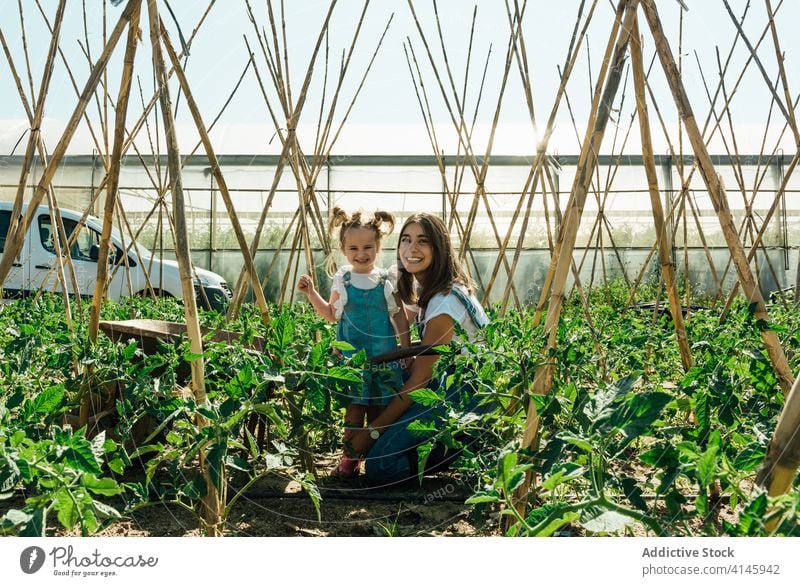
432, 280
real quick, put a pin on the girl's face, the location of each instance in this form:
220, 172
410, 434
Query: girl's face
360, 247
415, 250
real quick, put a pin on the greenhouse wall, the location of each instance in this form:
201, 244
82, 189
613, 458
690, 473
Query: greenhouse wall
615, 241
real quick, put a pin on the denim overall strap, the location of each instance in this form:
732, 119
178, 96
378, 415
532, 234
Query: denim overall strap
468, 305
471, 311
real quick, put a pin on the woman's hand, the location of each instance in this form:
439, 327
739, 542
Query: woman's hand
360, 442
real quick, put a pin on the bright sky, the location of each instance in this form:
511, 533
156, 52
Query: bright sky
386, 118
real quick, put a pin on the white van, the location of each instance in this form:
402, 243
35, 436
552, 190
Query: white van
33, 268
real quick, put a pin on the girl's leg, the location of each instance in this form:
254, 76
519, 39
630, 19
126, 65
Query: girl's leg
353, 419
349, 462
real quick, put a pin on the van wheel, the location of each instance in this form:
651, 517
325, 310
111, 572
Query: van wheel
158, 293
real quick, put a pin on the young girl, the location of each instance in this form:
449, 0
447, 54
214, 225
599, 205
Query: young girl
433, 280
365, 304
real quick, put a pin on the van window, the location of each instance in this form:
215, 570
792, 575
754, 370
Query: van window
80, 250
5, 218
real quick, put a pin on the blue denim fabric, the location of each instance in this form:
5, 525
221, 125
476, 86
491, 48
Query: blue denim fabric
392, 458
365, 324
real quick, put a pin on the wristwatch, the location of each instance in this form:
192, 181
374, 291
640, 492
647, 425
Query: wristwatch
373, 433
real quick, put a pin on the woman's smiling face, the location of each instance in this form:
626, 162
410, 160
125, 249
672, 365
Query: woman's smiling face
415, 250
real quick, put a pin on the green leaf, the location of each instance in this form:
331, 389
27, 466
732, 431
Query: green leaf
105, 511
68, 513
603, 405
422, 428
608, 522
342, 373
268, 410
578, 442
103, 486
423, 452
637, 414
48, 400
215, 460
13, 520
195, 489
117, 465
316, 358
15, 400
35, 526
130, 351
557, 524
701, 504
252, 444
237, 463
662, 455
563, 475
316, 394
80, 456
707, 466
343, 346
427, 397
750, 458
489, 496
633, 493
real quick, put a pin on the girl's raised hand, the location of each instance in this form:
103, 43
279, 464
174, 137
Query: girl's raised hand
305, 284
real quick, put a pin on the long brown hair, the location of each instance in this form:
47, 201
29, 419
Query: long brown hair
445, 270
381, 222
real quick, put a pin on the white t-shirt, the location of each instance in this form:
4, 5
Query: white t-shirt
449, 304
364, 281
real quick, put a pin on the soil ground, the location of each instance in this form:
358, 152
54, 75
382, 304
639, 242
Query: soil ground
277, 507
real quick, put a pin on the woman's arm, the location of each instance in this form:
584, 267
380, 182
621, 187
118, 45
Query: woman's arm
438, 331
401, 325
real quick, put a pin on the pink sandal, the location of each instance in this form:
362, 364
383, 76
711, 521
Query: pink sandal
346, 468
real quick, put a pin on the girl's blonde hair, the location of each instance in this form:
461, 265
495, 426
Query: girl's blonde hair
381, 222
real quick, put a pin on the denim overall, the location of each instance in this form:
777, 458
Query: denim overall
365, 324
392, 459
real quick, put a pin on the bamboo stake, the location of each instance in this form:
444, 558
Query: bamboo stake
758, 238
718, 197
780, 465
292, 119
464, 138
782, 72
25, 52
783, 107
15, 239
668, 270
55, 216
685, 181
568, 212
36, 121
101, 281
213, 502
452, 192
218, 176
543, 378
541, 165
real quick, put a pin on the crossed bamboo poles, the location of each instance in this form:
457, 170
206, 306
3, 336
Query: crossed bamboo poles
306, 174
